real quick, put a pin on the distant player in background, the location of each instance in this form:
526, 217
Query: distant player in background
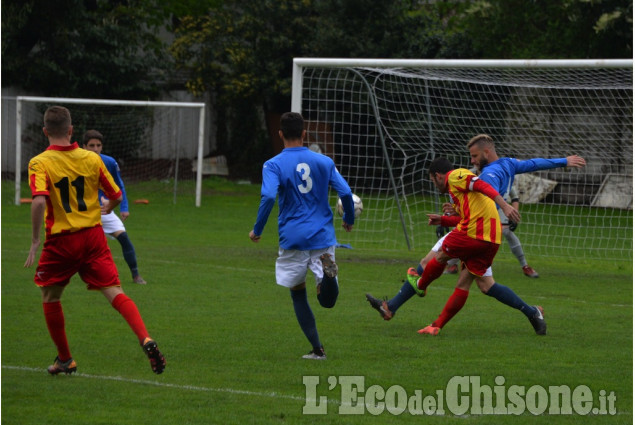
65, 182
93, 140
300, 179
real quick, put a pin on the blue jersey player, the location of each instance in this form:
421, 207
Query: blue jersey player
93, 141
300, 179
500, 174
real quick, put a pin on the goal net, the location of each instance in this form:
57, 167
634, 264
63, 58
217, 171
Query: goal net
158, 145
383, 121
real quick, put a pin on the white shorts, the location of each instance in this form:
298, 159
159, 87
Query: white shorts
292, 265
437, 247
112, 223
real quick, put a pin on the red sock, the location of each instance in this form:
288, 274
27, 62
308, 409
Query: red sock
433, 270
128, 309
54, 316
454, 305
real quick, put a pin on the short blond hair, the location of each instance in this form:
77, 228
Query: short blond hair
480, 139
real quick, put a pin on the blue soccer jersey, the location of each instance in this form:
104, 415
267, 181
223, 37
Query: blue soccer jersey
500, 173
299, 178
113, 169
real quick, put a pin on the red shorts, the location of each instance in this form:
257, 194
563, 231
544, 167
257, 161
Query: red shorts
477, 255
85, 252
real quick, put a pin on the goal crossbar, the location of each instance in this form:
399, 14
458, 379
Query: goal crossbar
112, 102
299, 63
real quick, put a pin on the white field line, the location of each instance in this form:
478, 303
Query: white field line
272, 394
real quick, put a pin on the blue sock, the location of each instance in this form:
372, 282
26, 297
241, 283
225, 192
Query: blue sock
329, 290
505, 295
128, 253
405, 293
305, 317
419, 269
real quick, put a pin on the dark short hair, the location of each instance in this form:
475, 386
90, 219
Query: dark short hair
57, 121
291, 125
92, 134
440, 165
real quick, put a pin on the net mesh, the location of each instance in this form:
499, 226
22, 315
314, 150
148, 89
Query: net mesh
156, 146
383, 126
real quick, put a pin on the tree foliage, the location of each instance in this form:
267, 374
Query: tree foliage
243, 52
535, 29
240, 52
83, 48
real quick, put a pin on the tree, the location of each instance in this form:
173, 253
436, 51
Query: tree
575, 29
84, 48
242, 52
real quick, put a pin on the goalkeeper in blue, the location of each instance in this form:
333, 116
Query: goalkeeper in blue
300, 179
93, 140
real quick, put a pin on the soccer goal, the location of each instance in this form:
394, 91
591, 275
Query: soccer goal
158, 145
383, 121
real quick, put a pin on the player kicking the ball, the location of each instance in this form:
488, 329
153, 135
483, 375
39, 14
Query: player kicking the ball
475, 241
300, 179
499, 172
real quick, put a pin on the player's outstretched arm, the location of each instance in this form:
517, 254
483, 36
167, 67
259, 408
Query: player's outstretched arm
575, 161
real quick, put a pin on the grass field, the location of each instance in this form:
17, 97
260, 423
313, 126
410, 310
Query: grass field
234, 348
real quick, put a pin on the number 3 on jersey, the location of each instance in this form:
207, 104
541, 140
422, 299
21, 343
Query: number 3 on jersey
304, 170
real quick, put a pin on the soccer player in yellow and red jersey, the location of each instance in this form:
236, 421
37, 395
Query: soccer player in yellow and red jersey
477, 235
65, 181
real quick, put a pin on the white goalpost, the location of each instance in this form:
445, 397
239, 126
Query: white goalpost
160, 142
383, 121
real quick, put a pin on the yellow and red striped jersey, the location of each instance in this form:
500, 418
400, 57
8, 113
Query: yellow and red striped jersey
479, 217
70, 178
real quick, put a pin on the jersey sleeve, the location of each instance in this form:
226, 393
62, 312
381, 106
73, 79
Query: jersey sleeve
107, 183
344, 192
475, 184
38, 182
115, 172
268, 192
536, 164
450, 220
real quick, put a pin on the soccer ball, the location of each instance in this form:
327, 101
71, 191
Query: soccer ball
357, 203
